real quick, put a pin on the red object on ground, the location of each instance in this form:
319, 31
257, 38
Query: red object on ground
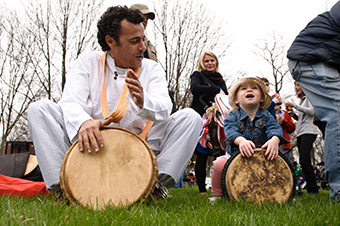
20, 187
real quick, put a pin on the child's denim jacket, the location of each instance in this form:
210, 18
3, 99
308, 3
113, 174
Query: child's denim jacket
260, 130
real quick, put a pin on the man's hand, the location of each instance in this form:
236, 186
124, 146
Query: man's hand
135, 88
89, 134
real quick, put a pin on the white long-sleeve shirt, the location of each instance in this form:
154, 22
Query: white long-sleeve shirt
305, 124
81, 99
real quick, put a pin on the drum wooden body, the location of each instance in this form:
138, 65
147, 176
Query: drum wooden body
122, 173
258, 179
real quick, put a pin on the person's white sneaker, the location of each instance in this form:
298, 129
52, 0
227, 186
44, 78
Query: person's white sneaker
214, 199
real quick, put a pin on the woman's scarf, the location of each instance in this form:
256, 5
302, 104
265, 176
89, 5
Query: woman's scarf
215, 77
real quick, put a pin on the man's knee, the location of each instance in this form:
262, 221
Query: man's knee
38, 107
191, 116
39, 111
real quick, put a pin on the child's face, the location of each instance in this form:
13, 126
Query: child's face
267, 86
277, 107
248, 95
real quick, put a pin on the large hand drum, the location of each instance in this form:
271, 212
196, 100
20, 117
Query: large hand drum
122, 173
258, 179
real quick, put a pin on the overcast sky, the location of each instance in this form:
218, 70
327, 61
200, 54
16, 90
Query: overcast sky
251, 20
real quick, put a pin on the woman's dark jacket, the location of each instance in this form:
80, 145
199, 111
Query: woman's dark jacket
320, 40
205, 84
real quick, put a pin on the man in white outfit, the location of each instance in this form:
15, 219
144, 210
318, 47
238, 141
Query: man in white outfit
78, 115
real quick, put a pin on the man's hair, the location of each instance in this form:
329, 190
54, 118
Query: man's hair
109, 23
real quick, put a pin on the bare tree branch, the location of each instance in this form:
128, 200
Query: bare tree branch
273, 51
36, 52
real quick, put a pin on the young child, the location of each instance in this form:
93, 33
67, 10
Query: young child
275, 98
249, 125
287, 125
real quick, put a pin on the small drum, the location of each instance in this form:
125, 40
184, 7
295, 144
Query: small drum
258, 179
122, 173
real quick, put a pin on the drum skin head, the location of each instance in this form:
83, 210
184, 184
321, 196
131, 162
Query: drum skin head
122, 173
257, 179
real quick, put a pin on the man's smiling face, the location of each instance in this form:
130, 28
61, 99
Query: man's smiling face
128, 53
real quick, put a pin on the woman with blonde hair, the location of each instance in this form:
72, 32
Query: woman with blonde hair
205, 83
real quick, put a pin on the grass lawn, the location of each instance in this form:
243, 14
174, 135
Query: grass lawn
185, 207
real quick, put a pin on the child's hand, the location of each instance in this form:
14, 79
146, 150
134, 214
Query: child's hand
272, 146
245, 146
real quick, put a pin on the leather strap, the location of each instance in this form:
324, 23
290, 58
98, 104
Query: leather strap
122, 104
146, 129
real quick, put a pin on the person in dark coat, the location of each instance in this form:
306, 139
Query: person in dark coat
205, 83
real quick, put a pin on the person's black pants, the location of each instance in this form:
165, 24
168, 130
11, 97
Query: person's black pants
305, 145
200, 170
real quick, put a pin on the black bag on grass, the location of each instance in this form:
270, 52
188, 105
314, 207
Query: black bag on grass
20, 165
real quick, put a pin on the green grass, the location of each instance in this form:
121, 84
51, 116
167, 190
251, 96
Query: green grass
185, 207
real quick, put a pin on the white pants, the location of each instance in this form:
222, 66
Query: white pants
173, 142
